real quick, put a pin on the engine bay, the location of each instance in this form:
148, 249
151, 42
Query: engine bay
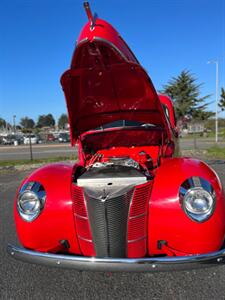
119, 171
105, 179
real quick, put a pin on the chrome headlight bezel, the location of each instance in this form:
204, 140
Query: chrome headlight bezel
198, 199
31, 200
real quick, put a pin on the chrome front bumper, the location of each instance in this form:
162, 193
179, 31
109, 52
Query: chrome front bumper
146, 264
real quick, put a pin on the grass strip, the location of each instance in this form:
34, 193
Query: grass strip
11, 163
216, 152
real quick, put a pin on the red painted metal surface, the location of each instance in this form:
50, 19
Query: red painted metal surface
137, 233
107, 32
168, 102
82, 223
56, 221
122, 137
167, 220
106, 83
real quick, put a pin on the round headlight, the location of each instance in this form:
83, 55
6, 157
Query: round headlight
197, 202
30, 201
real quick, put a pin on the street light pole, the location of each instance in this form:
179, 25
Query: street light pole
14, 124
217, 94
217, 87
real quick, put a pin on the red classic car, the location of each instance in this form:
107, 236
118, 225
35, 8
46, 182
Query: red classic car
129, 203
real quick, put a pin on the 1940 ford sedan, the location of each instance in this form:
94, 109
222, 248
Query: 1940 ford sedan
129, 203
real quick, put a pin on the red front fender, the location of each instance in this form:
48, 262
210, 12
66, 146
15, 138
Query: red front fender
56, 221
167, 220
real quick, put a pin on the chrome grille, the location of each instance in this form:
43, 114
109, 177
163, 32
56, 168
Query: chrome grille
108, 220
115, 226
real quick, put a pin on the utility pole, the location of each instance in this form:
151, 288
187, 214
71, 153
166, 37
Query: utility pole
216, 100
30, 144
14, 124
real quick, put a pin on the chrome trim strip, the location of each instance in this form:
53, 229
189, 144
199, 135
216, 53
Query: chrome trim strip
96, 38
80, 217
138, 216
81, 41
84, 239
136, 240
146, 264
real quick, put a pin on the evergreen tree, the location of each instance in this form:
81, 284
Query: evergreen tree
185, 93
222, 99
63, 121
27, 123
2, 123
46, 121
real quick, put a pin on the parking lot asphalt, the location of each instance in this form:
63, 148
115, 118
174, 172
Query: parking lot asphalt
22, 152
20, 280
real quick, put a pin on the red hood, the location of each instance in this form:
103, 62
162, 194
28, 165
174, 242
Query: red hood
106, 83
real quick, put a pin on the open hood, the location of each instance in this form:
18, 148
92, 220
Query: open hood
106, 83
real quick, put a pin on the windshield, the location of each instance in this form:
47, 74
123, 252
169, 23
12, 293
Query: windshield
124, 123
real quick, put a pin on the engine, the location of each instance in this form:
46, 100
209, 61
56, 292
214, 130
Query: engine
117, 173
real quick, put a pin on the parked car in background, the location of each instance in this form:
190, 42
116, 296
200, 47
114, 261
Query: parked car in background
18, 139
32, 137
64, 138
50, 137
5, 140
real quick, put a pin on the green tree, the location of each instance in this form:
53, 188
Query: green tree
27, 123
2, 123
63, 121
46, 121
222, 99
185, 93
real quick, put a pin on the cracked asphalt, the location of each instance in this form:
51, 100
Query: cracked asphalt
26, 281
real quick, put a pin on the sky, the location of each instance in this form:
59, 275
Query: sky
37, 39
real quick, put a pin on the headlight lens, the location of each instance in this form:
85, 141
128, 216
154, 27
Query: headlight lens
197, 201
31, 200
